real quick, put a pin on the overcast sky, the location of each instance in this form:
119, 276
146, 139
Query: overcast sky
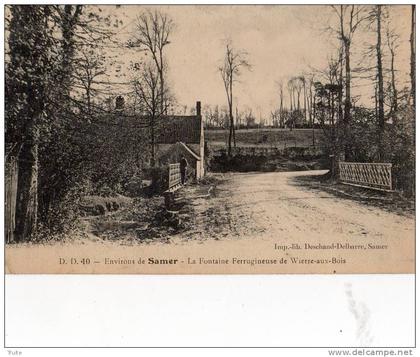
282, 41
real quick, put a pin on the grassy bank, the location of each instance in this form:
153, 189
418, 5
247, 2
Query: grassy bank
266, 137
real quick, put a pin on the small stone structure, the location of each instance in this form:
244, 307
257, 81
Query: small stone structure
182, 135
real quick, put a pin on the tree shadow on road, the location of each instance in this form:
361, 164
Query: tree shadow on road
390, 201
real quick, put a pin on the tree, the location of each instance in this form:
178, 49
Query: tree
376, 15
413, 55
291, 90
392, 43
153, 31
28, 80
147, 87
281, 101
327, 103
90, 68
217, 118
44, 42
299, 86
250, 119
66, 164
234, 61
68, 20
350, 17
303, 80
310, 100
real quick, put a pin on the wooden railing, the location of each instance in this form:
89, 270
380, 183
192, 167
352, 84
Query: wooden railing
174, 176
371, 175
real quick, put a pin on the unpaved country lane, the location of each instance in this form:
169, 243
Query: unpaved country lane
251, 217
284, 212
285, 209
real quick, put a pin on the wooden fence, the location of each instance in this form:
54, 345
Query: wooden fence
371, 175
174, 176
11, 175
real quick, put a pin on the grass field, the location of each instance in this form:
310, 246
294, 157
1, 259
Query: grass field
265, 137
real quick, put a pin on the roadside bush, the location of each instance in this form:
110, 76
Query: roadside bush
96, 155
134, 187
398, 144
159, 177
400, 148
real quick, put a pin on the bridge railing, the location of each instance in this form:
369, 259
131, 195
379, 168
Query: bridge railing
174, 176
370, 175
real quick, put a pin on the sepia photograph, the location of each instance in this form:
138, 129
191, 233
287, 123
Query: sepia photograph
209, 139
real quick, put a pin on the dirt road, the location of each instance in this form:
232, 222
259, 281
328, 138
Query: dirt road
280, 207
271, 216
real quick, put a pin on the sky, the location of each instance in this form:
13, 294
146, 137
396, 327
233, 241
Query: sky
281, 42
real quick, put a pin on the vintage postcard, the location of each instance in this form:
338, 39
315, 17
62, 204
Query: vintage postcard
218, 139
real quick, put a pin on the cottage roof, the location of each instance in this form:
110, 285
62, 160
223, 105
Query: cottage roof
179, 128
169, 129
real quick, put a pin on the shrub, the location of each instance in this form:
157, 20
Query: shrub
159, 176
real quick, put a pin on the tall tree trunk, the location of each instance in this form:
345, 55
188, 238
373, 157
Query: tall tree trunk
230, 103
26, 96
340, 92
88, 98
381, 114
413, 54
394, 104
376, 100
294, 99
232, 123
27, 186
335, 152
230, 139
291, 101
313, 103
281, 110
231, 116
304, 101
152, 141
68, 26
161, 80
347, 102
298, 101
